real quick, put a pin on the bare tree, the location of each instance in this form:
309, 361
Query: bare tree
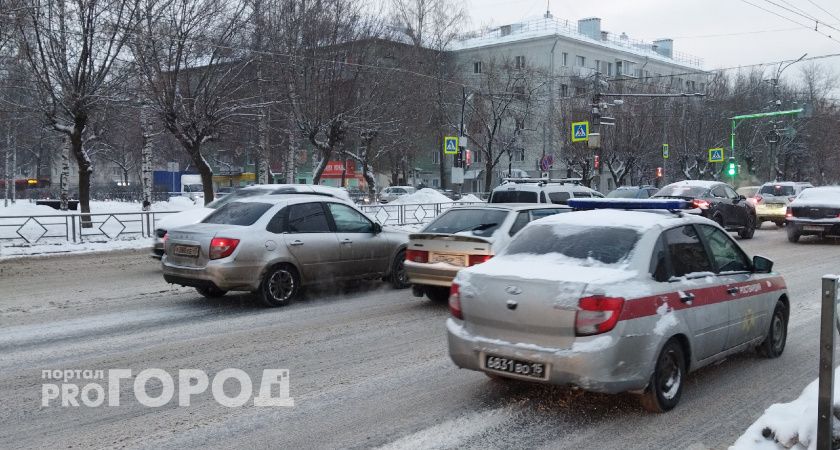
194, 74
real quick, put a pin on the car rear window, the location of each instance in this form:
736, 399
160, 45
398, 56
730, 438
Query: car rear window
238, 213
514, 197
681, 190
482, 222
778, 190
237, 195
608, 245
559, 197
622, 193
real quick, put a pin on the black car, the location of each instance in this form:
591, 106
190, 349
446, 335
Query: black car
717, 201
633, 192
816, 211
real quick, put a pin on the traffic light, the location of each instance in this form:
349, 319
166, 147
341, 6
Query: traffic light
459, 158
468, 157
732, 168
659, 172
597, 162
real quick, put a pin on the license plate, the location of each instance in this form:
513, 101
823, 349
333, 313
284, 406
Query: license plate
454, 260
812, 228
185, 250
776, 205
515, 367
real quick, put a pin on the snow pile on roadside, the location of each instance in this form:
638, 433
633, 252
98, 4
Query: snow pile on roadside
787, 425
27, 208
7, 252
425, 195
469, 198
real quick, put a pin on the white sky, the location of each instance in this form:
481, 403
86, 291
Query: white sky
686, 20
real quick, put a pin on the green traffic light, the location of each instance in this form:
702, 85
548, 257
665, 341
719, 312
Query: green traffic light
732, 169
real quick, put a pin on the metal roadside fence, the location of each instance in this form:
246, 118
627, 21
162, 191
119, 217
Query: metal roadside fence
78, 227
829, 322
408, 214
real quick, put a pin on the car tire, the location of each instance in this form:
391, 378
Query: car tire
666, 384
774, 343
437, 294
398, 277
280, 285
793, 234
718, 218
211, 291
780, 224
749, 230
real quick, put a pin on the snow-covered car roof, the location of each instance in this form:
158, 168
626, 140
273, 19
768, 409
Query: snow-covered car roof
512, 206
640, 220
785, 183
698, 183
302, 188
822, 195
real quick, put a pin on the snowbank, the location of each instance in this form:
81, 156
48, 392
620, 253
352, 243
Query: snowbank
787, 425
7, 252
425, 195
25, 208
470, 198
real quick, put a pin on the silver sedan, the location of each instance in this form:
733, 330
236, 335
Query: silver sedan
273, 245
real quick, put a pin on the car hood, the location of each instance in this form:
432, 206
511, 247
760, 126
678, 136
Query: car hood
182, 218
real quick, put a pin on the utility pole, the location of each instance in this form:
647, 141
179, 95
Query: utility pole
595, 143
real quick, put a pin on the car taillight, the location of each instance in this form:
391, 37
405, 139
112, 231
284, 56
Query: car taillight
597, 314
478, 259
165, 238
702, 204
419, 256
790, 199
455, 301
789, 213
222, 247
758, 198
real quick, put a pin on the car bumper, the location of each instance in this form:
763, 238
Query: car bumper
603, 364
827, 227
766, 213
431, 274
228, 276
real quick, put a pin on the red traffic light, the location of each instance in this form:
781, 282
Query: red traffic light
468, 157
597, 161
659, 172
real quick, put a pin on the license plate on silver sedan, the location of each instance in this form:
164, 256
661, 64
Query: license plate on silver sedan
453, 260
190, 251
515, 367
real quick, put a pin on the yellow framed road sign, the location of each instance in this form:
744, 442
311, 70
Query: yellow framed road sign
450, 145
716, 155
580, 131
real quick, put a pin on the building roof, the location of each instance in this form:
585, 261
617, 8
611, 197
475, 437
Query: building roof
550, 26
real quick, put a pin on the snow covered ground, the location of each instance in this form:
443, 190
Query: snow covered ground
787, 425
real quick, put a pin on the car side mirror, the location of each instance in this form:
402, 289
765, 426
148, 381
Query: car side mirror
377, 228
762, 264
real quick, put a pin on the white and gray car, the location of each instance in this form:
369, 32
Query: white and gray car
273, 245
614, 301
464, 236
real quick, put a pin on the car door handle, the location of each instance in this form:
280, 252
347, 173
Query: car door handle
346, 241
732, 291
686, 297
296, 243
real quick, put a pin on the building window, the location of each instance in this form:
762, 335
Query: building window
581, 61
565, 59
520, 62
597, 65
618, 68
637, 73
609, 69
517, 155
476, 156
564, 90
579, 91
435, 182
436, 157
477, 67
520, 123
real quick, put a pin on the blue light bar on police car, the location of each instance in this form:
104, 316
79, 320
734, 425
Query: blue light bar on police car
621, 203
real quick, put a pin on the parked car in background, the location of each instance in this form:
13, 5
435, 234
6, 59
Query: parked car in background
540, 190
772, 199
222, 191
616, 301
462, 237
816, 211
272, 245
359, 196
717, 201
391, 193
633, 192
449, 193
195, 215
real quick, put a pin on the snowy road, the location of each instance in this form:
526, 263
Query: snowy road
368, 367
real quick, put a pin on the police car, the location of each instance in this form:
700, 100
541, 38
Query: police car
614, 300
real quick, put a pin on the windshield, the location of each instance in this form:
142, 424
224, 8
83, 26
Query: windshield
514, 197
622, 193
608, 245
237, 195
193, 188
830, 194
682, 190
777, 190
747, 191
238, 213
481, 222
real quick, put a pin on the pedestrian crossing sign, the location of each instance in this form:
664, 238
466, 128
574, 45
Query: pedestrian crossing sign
450, 145
716, 155
580, 131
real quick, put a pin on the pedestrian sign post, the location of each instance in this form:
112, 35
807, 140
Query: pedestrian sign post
666, 152
580, 131
450, 145
716, 155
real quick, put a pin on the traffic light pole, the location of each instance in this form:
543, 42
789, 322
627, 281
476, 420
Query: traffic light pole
738, 119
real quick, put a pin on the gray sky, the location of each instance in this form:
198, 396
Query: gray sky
686, 21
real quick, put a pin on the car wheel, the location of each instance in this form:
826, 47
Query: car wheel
398, 277
779, 224
719, 219
774, 343
793, 234
749, 230
666, 385
211, 291
279, 286
437, 294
